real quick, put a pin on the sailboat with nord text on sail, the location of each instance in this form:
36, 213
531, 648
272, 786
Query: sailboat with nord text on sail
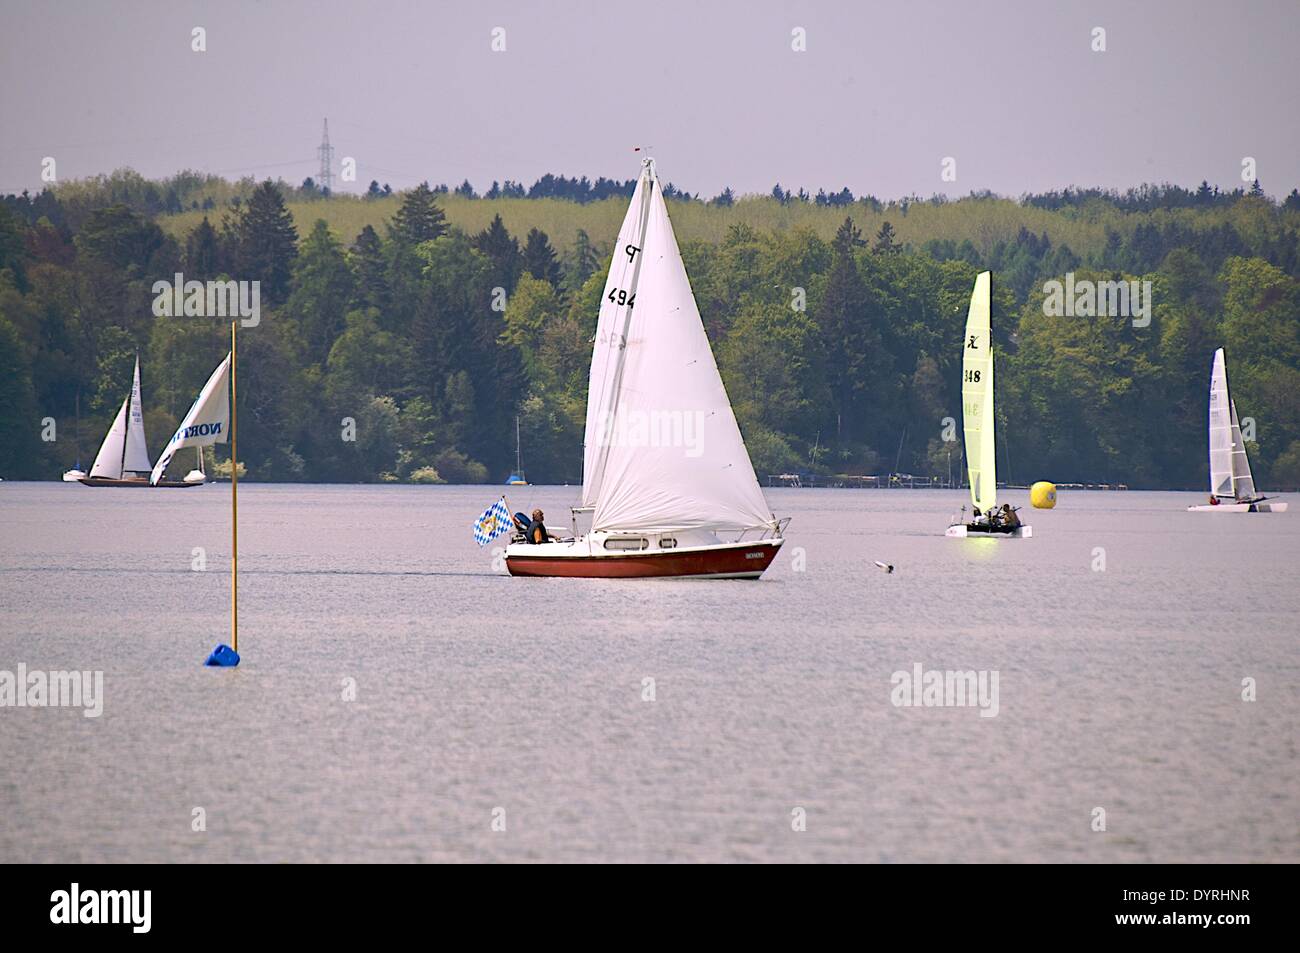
668, 487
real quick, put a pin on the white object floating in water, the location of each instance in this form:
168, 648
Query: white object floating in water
887, 567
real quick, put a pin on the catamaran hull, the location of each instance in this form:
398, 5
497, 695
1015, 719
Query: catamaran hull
963, 531
104, 481
723, 561
1239, 508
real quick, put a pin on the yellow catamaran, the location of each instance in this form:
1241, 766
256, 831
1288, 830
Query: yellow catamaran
978, 424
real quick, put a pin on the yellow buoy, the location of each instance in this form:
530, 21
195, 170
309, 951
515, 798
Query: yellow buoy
1043, 495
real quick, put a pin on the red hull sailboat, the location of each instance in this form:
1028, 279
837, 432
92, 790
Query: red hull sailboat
668, 487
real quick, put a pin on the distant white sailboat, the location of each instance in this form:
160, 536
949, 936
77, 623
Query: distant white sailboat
667, 480
198, 474
978, 420
517, 478
1232, 488
76, 474
123, 458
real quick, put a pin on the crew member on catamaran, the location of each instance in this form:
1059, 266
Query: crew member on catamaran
1009, 517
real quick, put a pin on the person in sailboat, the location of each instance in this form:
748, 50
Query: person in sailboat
1009, 518
534, 530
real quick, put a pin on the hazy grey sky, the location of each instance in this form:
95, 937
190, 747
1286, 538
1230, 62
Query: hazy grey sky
1012, 90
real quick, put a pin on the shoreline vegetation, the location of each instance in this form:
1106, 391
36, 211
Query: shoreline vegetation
401, 333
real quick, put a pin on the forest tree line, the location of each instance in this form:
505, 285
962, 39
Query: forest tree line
839, 346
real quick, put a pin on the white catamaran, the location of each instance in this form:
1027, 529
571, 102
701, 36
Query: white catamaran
123, 458
667, 482
978, 422
1232, 488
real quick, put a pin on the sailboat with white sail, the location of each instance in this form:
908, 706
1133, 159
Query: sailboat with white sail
668, 486
203, 425
211, 420
123, 458
978, 423
76, 474
517, 478
1232, 487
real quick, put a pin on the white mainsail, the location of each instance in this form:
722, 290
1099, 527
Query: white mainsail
977, 399
664, 450
124, 449
207, 422
108, 462
1230, 476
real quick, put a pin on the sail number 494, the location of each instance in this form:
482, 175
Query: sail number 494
620, 297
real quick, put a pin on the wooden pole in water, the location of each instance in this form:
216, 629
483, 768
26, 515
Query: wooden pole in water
234, 500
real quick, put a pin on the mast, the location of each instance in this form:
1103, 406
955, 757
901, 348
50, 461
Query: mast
234, 502
519, 459
126, 437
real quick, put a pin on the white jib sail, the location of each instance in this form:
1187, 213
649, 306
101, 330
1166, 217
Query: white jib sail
674, 457
977, 399
108, 462
1221, 431
207, 422
137, 453
616, 301
1243, 484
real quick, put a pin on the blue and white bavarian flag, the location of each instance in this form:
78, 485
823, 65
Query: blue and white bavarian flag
496, 519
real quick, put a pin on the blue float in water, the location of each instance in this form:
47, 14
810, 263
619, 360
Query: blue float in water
223, 656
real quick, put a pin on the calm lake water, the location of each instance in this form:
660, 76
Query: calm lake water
478, 695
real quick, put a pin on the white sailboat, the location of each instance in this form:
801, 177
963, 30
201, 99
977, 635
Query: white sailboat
210, 420
1232, 488
668, 485
204, 424
76, 474
517, 478
198, 474
978, 421
123, 458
